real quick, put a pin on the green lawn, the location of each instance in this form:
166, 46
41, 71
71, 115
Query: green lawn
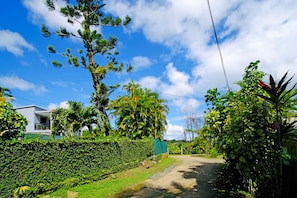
116, 185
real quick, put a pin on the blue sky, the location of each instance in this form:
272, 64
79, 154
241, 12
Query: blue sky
170, 43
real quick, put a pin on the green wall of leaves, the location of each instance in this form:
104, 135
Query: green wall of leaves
49, 165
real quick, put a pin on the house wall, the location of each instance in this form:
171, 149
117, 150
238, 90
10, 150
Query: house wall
30, 115
33, 115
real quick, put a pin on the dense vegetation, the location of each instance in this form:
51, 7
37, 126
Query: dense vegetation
40, 166
249, 127
140, 114
70, 121
12, 124
199, 145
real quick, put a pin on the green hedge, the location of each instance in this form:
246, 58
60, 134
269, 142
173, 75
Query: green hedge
48, 165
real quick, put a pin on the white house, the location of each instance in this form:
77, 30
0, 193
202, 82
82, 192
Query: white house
39, 119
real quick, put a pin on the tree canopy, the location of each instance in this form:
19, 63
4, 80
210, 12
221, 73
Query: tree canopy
246, 127
12, 123
70, 121
89, 15
141, 113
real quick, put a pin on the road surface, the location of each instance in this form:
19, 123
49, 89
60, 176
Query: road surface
193, 177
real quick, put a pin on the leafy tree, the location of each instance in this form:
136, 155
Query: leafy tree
59, 122
139, 114
71, 120
90, 16
5, 94
242, 126
12, 124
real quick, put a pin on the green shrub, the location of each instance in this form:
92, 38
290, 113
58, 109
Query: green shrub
213, 152
12, 123
48, 165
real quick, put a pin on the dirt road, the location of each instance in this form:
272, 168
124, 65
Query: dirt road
191, 178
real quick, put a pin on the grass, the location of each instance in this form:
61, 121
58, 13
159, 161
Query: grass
118, 185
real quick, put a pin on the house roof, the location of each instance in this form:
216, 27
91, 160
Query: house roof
32, 106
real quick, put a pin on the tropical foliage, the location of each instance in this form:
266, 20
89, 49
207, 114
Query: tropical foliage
245, 128
89, 15
200, 145
284, 104
30, 168
70, 121
139, 114
12, 124
5, 94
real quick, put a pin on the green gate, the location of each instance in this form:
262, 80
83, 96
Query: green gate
160, 147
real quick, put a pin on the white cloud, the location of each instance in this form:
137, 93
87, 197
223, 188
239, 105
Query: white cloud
52, 106
173, 132
63, 104
179, 82
248, 31
187, 105
140, 62
178, 90
150, 82
39, 13
13, 82
14, 42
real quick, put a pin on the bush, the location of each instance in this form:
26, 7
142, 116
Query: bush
12, 124
213, 152
48, 165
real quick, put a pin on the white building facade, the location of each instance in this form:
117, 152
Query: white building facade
39, 119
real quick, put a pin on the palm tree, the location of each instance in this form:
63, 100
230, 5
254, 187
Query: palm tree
157, 114
70, 121
139, 114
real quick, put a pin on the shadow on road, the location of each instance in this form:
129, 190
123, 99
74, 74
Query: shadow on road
204, 175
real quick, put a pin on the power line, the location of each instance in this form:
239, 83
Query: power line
178, 96
29, 100
218, 45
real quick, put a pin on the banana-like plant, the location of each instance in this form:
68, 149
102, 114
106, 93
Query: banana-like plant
283, 101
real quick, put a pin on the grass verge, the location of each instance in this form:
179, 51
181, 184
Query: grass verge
118, 185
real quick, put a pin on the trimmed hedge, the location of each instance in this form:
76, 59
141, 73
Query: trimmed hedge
48, 165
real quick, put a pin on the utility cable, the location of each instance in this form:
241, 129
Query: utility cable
218, 45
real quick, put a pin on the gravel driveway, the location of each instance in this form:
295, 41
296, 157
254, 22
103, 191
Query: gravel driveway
193, 177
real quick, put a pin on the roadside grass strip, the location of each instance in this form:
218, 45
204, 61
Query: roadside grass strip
116, 185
